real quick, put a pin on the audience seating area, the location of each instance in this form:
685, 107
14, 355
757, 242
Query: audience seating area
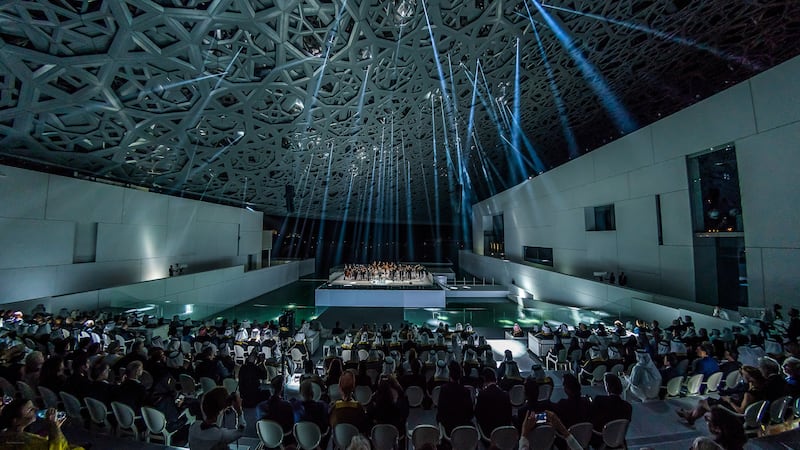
91, 365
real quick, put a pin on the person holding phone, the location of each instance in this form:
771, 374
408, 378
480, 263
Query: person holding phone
18, 415
532, 419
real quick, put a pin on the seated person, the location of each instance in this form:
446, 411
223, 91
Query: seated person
645, 378
595, 359
348, 410
276, 408
493, 406
310, 410
516, 331
206, 434
16, 416
508, 372
605, 408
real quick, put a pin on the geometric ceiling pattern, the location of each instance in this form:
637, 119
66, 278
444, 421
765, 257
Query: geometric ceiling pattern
376, 110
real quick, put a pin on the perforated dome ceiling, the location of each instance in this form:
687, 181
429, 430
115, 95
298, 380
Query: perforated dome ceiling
367, 110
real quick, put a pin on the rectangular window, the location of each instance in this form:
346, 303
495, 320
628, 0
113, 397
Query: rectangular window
600, 218
538, 255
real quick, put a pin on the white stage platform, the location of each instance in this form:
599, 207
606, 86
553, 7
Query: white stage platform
376, 297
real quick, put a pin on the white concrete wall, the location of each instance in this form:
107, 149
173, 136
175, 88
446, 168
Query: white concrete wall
50, 225
196, 295
760, 116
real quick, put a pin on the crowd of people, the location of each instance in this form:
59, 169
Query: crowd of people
101, 356
382, 270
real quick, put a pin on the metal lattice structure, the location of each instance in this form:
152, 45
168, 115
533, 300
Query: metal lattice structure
362, 108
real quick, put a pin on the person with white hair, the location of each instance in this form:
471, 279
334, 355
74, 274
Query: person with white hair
645, 378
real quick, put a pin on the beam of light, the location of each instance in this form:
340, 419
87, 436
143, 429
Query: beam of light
217, 154
244, 191
409, 228
340, 247
207, 185
435, 181
439, 69
619, 115
321, 236
667, 37
329, 41
572, 144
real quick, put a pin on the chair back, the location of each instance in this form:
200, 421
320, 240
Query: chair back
424, 434
146, 379
385, 436
778, 409
7, 387
343, 433
415, 396
753, 414
674, 386
26, 391
125, 418
363, 395
307, 435
155, 421
334, 392
72, 406
733, 379
270, 433
49, 398
517, 395
465, 437
614, 433
617, 368
598, 372
693, 384
230, 385
712, 384
317, 390
683, 366
505, 438
545, 391
435, 395
373, 376
188, 385
542, 437
97, 412
207, 384
582, 433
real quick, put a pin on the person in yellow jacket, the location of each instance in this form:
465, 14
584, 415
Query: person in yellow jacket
18, 415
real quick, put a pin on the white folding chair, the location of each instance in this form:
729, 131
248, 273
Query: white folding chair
49, 398
435, 396
423, 434
674, 386
342, 435
752, 418
542, 437
156, 424
334, 392
126, 419
270, 433
188, 385
207, 384
230, 385
98, 414
385, 436
465, 437
693, 384
517, 395
238, 354
733, 379
545, 391
415, 396
713, 382
307, 435
505, 437
614, 434
72, 406
582, 432
363, 395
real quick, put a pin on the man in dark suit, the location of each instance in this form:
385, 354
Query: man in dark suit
132, 392
493, 408
606, 408
455, 402
276, 408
